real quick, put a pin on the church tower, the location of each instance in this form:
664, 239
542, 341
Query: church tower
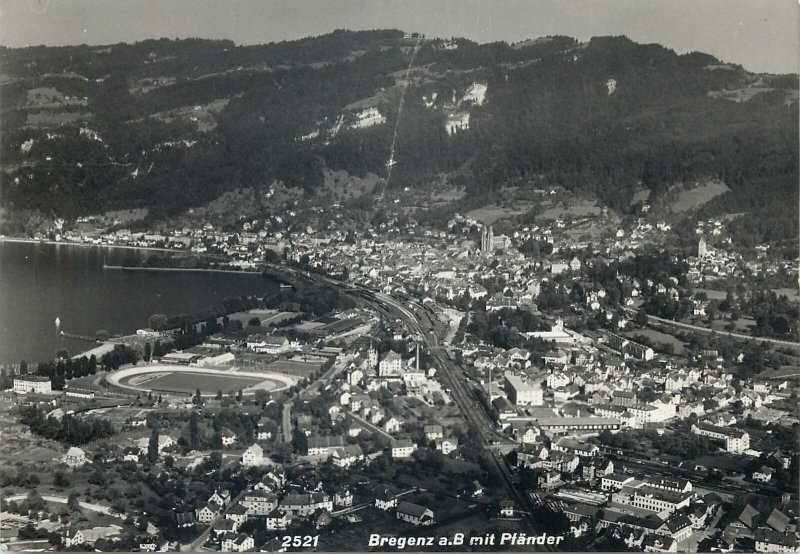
702, 248
372, 356
487, 239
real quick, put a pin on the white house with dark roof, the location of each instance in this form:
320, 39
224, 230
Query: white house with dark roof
403, 448
75, 457
347, 456
207, 513
324, 446
278, 520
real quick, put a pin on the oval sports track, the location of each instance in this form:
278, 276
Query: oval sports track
187, 379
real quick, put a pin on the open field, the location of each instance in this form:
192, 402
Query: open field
658, 337
587, 230
18, 443
290, 367
345, 186
48, 98
449, 195
791, 294
577, 208
743, 325
54, 119
640, 195
202, 115
490, 213
699, 195
125, 216
182, 382
187, 380
713, 294
266, 317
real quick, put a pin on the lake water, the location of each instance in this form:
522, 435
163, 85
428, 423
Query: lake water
39, 282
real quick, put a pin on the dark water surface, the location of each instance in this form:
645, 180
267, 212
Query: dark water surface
39, 282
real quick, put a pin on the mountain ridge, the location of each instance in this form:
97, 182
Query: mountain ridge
168, 125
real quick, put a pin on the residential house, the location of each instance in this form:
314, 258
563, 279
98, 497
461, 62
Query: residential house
324, 446
75, 457
237, 513
550, 479
73, 537
385, 498
343, 497
208, 513
221, 497
763, 475
414, 514
659, 543
403, 448
237, 543
306, 504
347, 456
433, 432
259, 503
253, 456
447, 445
507, 508
392, 425
278, 520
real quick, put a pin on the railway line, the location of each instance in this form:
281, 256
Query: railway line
451, 377
449, 373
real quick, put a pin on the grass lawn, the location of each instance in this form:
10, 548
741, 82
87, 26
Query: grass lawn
190, 382
791, 294
743, 325
724, 462
713, 294
693, 198
576, 208
658, 337
491, 213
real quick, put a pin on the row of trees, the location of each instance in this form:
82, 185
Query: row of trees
69, 429
65, 369
502, 329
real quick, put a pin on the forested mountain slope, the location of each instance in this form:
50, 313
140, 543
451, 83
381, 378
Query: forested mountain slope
171, 124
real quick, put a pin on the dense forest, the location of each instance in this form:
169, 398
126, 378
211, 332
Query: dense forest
171, 124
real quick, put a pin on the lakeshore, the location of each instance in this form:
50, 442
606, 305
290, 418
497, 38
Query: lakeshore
185, 269
86, 245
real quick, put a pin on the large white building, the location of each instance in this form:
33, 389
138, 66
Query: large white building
24, 384
655, 412
736, 440
391, 365
557, 333
522, 393
649, 498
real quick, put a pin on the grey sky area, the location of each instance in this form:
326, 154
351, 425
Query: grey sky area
762, 35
